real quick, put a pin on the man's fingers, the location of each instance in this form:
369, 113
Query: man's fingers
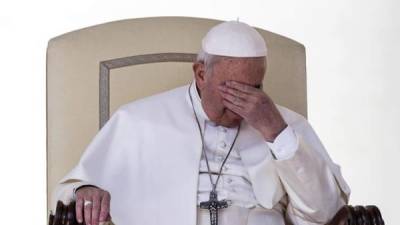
97, 205
78, 208
233, 107
242, 87
95, 210
88, 211
235, 92
105, 207
233, 99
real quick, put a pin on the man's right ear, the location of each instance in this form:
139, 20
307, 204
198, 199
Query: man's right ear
199, 71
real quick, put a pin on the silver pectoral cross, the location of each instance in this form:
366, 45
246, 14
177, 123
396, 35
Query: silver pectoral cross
213, 205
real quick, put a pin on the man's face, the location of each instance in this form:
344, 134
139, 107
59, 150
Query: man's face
245, 70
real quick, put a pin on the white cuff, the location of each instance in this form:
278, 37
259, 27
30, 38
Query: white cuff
65, 192
285, 144
77, 185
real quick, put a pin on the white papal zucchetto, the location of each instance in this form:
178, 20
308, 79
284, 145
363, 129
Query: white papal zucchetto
235, 39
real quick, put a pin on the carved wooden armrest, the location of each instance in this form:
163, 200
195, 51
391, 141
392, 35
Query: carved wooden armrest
358, 215
347, 215
64, 214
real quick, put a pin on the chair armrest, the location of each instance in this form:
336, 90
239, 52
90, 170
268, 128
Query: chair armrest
347, 215
66, 215
358, 215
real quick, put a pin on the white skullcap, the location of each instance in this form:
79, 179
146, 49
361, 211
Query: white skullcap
234, 38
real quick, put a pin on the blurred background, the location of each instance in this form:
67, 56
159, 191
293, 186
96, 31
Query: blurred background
353, 74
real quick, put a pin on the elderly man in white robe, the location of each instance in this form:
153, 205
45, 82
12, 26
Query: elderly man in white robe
217, 151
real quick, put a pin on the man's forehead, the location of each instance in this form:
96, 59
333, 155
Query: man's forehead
242, 63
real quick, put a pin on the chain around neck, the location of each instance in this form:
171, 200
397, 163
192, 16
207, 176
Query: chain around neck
214, 185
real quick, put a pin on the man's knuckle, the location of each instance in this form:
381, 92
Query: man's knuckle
79, 194
96, 195
103, 214
104, 211
107, 195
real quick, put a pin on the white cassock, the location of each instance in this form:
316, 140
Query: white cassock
148, 156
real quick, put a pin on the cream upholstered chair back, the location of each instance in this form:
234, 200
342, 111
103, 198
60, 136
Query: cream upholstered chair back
92, 71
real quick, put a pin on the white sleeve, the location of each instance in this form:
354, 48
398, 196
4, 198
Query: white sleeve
315, 186
94, 165
285, 144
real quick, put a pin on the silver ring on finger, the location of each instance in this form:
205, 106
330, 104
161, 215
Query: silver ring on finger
87, 202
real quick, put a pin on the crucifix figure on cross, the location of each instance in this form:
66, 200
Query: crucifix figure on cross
213, 205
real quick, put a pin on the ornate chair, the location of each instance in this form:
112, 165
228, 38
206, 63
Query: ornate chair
92, 71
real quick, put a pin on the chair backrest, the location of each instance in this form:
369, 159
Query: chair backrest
92, 71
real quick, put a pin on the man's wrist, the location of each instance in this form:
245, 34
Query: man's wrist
271, 136
75, 189
85, 185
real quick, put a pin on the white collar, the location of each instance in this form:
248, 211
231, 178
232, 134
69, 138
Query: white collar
201, 114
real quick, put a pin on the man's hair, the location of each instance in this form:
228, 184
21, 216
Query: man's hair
207, 59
